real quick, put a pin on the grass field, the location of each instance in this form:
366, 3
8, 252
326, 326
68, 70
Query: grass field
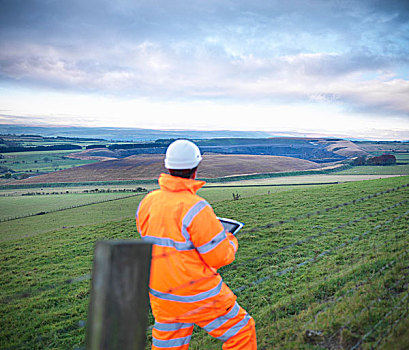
32, 163
27, 164
302, 179
18, 206
340, 272
378, 148
93, 213
377, 170
66, 220
402, 158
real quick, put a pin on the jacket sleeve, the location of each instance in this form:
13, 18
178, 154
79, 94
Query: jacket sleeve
216, 246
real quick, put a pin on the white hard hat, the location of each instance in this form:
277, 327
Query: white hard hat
182, 154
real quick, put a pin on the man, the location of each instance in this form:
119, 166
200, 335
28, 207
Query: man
189, 245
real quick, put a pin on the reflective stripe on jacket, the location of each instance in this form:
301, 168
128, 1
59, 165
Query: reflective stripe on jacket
190, 244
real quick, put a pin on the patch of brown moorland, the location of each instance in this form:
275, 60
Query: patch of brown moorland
149, 166
101, 154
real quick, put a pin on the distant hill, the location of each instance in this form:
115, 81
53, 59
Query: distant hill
344, 148
142, 167
315, 150
124, 134
149, 141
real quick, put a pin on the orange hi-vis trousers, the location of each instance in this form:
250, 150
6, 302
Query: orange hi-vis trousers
235, 328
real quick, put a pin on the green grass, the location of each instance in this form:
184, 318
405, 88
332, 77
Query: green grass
18, 206
94, 213
402, 157
377, 170
82, 216
343, 294
215, 194
40, 161
72, 218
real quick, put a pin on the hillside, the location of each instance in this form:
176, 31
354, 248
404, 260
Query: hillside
149, 166
324, 267
344, 148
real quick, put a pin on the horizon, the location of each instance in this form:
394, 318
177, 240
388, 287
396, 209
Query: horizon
303, 67
166, 133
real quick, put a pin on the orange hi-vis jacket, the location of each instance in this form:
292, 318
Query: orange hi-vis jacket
189, 245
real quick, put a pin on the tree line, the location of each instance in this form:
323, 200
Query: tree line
385, 159
38, 148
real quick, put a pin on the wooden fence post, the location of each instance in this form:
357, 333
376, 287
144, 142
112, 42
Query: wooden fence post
118, 308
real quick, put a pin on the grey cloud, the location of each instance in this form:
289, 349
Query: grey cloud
148, 69
204, 49
259, 27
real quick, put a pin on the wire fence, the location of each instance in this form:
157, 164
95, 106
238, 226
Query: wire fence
360, 285
367, 307
397, 305
382, 225
320, 255
392, 328
298, 242
307, 239
247, 262
69, 207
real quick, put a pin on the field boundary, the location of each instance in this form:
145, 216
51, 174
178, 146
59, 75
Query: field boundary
70, 207
77, 184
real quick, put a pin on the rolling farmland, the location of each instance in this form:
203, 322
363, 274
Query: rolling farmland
146, 167
319, 267
322, 264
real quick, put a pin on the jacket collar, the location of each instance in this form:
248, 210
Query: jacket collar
176, 184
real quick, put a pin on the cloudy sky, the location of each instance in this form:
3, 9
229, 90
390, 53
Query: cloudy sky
334, 67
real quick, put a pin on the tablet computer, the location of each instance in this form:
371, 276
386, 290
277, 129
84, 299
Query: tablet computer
231, 225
